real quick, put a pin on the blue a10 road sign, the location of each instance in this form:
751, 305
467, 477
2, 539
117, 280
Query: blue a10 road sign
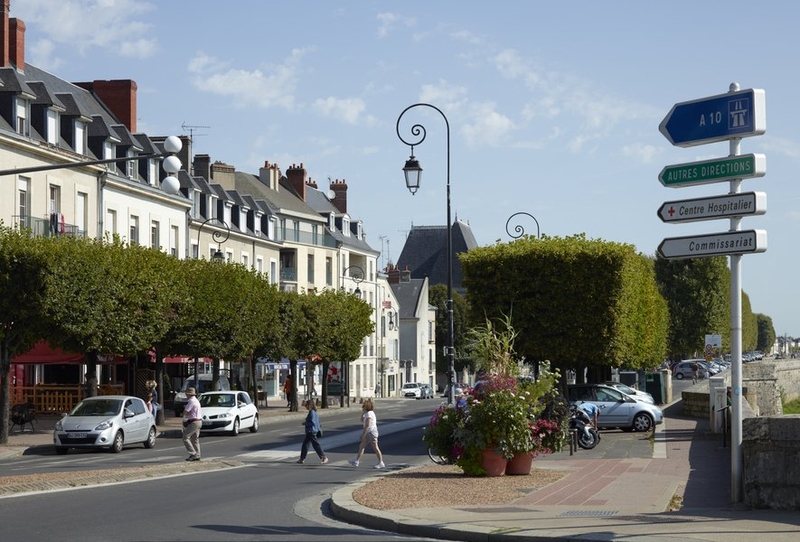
717, 118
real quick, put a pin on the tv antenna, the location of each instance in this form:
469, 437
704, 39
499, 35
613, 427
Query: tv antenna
191, 129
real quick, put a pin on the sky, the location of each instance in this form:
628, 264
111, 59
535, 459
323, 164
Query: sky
548, 108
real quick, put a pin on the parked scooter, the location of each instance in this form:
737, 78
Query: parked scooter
587, 435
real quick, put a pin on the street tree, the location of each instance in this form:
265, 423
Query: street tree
23, 261
575, 302
766, 333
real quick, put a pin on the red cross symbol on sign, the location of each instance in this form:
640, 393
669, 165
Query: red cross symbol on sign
671, 210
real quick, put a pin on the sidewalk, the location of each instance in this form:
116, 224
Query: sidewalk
606, 499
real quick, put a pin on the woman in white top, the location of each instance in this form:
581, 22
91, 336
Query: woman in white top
369, 435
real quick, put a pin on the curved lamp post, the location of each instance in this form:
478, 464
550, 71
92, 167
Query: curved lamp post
218, 237
519, 229
356, 275
413, 174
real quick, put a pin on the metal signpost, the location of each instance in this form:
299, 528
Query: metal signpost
714, 171
725, 117
732, 205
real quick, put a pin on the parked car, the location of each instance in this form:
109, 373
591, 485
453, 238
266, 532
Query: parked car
412, 389
204, 384
683, 369
427, 391
639, 395
107, 421
456, 391
617, 410
228, 412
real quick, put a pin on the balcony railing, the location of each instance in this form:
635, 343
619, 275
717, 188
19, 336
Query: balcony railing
42, 227
306, 238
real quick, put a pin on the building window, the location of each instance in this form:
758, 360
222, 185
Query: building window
260, 264
175, 241
23, 117
111, 223
23, 198
80, 137
295, 231
310, 271
155, 235
195, 250
81, 211
282, 232
329, 271
52, 127
315, 234
133, 238
273, 272
245, 260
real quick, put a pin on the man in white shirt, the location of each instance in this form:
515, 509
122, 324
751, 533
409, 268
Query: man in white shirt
192, 421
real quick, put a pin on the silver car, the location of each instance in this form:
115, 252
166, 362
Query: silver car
107, 421
639, 395
617, 409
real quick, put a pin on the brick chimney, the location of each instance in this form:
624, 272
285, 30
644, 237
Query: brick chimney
119, 95
5, 36
201, 166
311, 183
339, 195
296, 175
16, 43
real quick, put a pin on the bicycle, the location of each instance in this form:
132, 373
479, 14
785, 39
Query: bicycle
441, 459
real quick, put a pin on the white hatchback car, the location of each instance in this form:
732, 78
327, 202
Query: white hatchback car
228, 412
412, 389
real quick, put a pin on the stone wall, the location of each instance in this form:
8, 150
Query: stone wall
770, 380
770, 452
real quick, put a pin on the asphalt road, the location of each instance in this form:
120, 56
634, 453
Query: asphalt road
270, 498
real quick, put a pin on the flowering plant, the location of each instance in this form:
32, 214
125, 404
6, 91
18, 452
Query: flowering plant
440, 433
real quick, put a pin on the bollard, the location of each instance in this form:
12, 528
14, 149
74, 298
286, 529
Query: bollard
573, 441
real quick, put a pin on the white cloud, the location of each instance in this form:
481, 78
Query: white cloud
86, 24
643, 153
388, 21
346, 109
249, 87
488, 127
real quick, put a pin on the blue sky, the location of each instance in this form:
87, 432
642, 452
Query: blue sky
553, 107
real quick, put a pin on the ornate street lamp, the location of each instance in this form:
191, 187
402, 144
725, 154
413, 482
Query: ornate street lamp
219, 237
413, 174
519, 229
356, 275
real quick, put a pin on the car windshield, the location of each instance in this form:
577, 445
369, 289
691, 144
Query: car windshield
97, 407
217, 400
410, 386
625, 389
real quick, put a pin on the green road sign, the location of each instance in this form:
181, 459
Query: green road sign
714, 171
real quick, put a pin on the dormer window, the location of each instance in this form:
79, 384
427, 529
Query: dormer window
346, 226
360, 230
22, 117
52, 126
80, 137
332, 222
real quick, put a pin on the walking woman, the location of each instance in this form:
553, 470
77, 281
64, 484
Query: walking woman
369, 435
313, 432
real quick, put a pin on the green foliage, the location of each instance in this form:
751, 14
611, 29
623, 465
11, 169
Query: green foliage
766, 333
574, 301
491, 347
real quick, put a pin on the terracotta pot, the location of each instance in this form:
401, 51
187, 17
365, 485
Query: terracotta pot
520, 464
493, 463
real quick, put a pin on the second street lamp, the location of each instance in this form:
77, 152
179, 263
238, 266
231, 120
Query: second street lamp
519, 229
218, 237
413, 175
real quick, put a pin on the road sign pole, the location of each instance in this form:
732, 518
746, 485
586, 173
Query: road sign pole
737, 467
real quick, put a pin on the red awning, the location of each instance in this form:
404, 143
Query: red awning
44, 353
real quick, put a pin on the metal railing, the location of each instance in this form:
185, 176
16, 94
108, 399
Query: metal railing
43, 227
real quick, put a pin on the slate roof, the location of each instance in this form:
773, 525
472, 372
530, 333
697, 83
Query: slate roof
425, 252
408, 296
323, 206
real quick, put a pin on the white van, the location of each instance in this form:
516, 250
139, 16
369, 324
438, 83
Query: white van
203, 385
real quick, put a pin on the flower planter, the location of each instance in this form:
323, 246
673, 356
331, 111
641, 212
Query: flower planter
520, 464
493, 463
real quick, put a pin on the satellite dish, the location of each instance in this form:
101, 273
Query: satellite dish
331, 194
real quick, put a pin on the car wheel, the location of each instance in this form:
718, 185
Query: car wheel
679, 376
642, 422
61, 450
116, 446
235, 430
151, 438
254, 427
